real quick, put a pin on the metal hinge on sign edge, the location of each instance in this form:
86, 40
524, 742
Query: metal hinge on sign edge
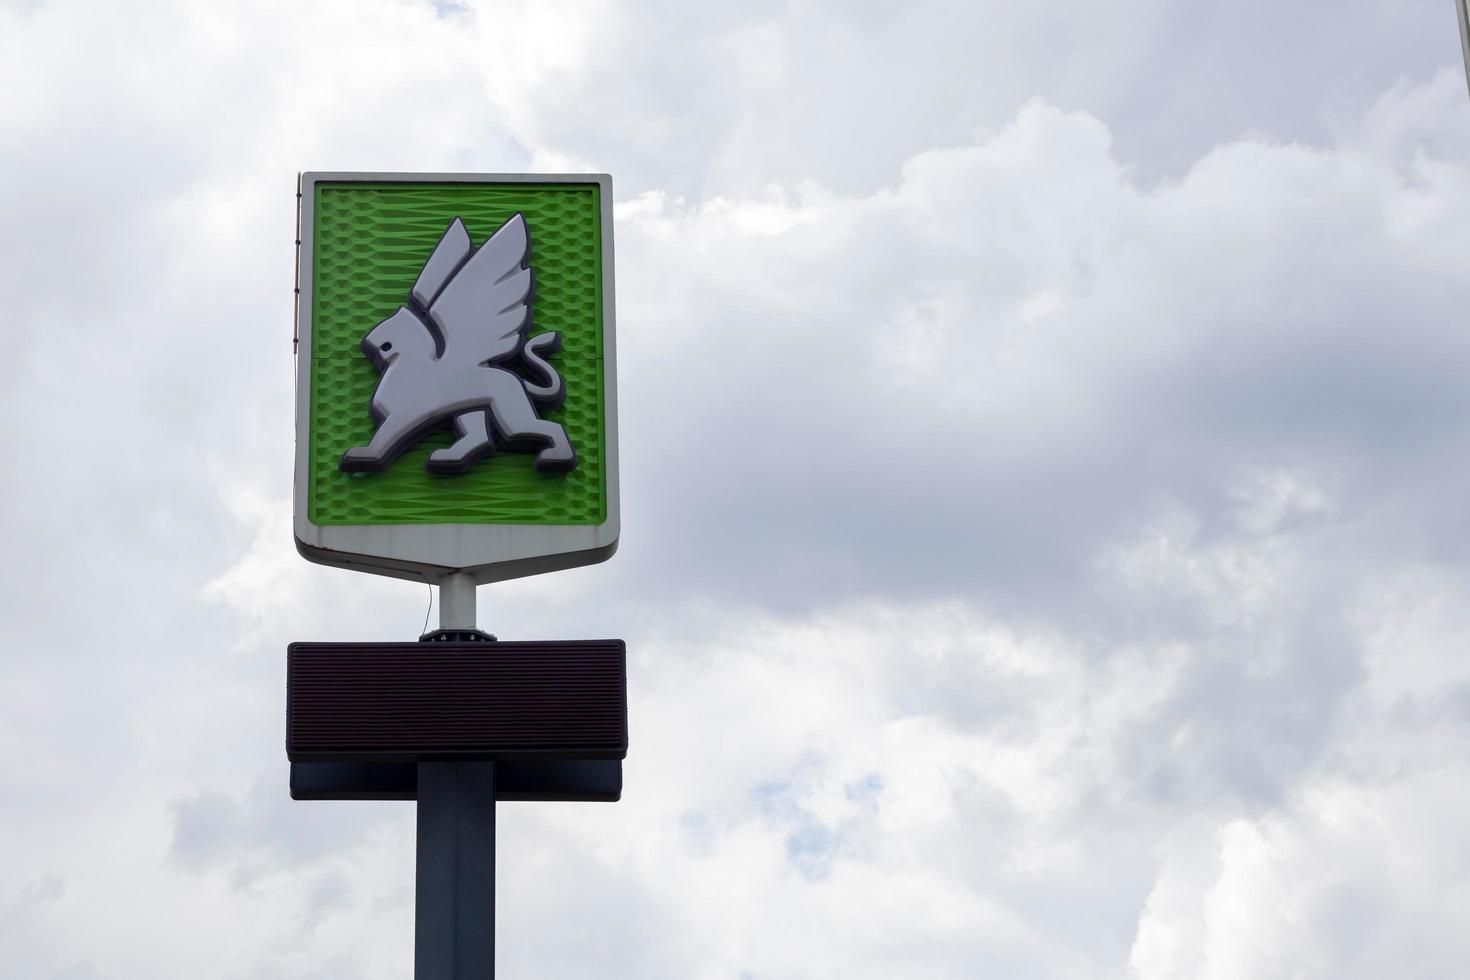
296, 292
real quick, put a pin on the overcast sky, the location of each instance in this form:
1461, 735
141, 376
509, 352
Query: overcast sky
1046, 486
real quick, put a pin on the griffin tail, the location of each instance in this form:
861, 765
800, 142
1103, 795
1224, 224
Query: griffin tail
547, 389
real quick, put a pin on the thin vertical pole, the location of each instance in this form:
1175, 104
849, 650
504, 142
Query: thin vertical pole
454, 908
454, 887
457, 602
1464, 15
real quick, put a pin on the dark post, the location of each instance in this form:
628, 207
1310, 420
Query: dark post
454, 902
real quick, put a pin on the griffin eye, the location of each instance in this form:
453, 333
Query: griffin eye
387, 347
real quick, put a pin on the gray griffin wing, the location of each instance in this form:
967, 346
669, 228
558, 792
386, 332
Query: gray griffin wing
444, 261
483, 310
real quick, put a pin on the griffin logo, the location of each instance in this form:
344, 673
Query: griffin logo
459, 352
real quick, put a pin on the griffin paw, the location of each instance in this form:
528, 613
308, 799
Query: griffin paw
359, 459
450, 460
557, 459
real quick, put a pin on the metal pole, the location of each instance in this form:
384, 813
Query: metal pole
454, 888
1464, 37
454, 902
457, 602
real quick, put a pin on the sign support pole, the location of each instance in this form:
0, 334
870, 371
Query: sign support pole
457, 602
456, 719
454, 888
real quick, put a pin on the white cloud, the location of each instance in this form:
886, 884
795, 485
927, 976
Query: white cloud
1043, 522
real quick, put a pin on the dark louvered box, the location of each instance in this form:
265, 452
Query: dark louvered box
401, 702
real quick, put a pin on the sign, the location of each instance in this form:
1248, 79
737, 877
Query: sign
496, 701
456, 392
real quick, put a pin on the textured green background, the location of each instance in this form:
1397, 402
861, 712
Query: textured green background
370, 241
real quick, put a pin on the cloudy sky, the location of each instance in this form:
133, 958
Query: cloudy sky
1046, 518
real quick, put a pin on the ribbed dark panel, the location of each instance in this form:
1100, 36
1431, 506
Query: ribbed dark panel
410, 701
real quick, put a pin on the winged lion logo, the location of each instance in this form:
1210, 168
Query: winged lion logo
458, 352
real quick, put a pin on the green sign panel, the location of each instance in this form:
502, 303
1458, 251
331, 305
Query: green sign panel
455, 369
371, 242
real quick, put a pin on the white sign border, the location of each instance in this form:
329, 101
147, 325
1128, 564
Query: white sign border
431, 552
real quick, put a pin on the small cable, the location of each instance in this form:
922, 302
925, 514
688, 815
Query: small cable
428, 610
